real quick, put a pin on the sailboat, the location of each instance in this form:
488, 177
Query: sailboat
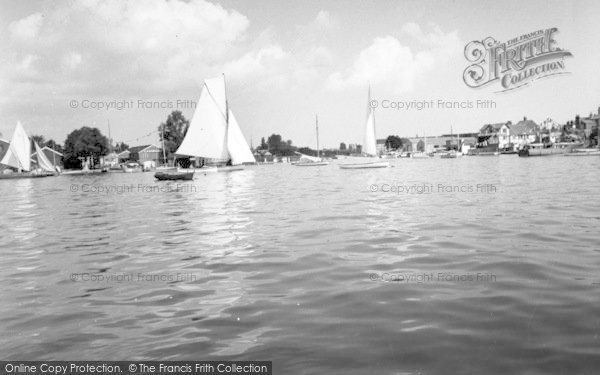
18, 156
311, 161
370, 146
214, 133
453, 154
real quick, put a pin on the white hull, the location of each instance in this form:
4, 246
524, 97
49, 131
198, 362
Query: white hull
419, 155
582, 152
314, 164
231, 168
377, 164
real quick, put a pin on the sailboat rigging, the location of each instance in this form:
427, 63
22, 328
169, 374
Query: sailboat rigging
370, 143
214, 133
311, 161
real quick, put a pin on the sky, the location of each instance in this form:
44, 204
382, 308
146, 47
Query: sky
285, 63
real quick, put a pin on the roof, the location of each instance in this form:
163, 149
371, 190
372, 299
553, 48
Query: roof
123, 152
524, 127
138, 149
497, 126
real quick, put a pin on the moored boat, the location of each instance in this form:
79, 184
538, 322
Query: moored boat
541, 149
311, 161
376, 164
174, 175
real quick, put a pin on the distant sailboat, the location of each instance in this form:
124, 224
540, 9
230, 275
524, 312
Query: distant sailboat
311, 161
18, 156
370, 144
214, 133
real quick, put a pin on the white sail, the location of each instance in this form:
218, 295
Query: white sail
370, 147
19, 151
42, 160
206, 135
237, 146
307, 158
212, 134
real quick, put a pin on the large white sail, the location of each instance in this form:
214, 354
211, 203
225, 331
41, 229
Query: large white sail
212, 134
18, 154
42, 160
370, 147
206, 135
236, 143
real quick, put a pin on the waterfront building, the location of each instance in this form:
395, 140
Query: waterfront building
380, 146
145, 153
523, 133
498, 133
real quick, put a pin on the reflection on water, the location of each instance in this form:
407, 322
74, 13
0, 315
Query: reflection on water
276, 263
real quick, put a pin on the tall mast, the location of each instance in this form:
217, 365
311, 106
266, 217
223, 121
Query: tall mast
163, 144
226, 112
226, 102
317, 124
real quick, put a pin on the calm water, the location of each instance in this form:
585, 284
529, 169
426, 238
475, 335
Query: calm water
276, 263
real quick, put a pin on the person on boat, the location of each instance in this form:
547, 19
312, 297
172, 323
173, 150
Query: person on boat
228, 164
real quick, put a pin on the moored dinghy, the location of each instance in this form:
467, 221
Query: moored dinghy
311, 161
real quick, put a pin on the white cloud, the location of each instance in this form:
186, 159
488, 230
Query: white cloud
71, 60
131, 45
324, 20
254, 65
28, 27
394, 65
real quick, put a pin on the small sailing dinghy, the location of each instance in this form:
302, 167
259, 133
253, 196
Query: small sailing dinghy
18, 156
370, 146
311, 161
214, 133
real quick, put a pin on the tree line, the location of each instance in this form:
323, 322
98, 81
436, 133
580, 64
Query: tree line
89, 143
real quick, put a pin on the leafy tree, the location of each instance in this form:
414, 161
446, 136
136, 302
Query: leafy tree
120, 147
263, 144
393, 142
84, 143
39, 139
342, 146
174, 130
278, 147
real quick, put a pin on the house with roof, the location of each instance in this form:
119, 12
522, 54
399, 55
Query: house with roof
497, 133
263, 155
524, 132
145, 153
